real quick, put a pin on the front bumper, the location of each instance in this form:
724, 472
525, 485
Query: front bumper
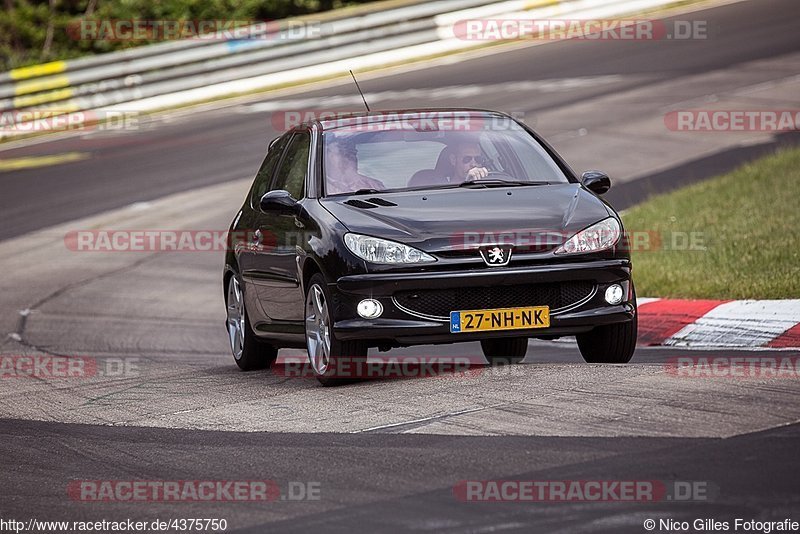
399, 327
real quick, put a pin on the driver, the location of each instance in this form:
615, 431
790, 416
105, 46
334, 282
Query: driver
341, 170
467, 162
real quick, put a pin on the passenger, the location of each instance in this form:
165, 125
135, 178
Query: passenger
341, 170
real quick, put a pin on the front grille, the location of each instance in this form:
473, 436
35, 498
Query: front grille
440, 302
528, 248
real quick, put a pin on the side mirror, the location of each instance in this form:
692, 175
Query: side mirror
596, 181
278, 201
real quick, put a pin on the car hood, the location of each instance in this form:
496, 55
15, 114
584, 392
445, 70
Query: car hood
450, 219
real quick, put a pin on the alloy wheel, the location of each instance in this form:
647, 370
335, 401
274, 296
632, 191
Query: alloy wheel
236, 317
318, 331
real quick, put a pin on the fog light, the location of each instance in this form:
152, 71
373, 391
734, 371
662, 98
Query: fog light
370, 309
614, 294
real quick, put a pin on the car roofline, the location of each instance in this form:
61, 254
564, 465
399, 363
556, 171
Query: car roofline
407, 111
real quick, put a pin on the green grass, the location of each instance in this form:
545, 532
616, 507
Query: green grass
746, 227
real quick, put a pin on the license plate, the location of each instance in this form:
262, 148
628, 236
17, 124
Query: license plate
499, 319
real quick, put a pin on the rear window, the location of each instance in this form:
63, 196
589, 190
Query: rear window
395, 162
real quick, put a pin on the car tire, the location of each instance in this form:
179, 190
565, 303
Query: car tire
614, 343
333, 362
249, 352
504, 351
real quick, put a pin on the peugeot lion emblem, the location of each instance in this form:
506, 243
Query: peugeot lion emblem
496, 256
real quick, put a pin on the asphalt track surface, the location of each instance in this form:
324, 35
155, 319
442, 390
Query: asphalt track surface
386, 454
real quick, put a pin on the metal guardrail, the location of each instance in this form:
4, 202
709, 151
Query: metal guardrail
181, 72
157, 69
59, 67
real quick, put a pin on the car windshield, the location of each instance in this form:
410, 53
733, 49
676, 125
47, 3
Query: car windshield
391, 153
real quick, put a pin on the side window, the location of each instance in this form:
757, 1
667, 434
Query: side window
291, 175
267, 170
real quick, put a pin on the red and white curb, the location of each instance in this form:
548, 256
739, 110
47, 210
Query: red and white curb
719, 323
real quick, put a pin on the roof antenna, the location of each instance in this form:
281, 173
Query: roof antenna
359, 91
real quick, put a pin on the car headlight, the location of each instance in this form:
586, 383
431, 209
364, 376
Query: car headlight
376, 250
599, 236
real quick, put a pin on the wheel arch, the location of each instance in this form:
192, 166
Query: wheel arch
309, 269
226, 277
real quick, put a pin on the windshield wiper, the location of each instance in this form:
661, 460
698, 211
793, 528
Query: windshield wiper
492, 182
366, 191
498, 183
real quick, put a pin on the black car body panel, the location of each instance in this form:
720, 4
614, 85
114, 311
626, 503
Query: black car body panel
432, 220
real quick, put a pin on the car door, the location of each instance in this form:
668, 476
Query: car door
247, 255
279, 288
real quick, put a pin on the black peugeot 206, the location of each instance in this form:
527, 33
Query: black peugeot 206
391, 229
